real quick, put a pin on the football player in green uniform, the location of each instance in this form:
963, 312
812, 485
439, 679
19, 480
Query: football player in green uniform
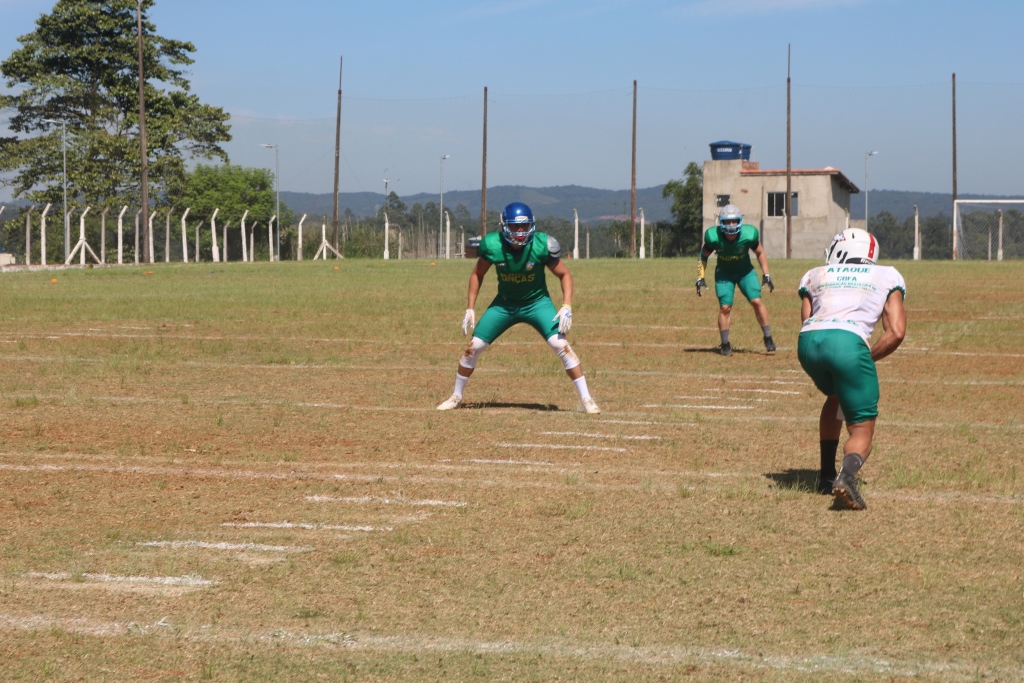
733, 240
519, 254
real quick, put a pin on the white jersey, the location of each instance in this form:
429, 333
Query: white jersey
849, 296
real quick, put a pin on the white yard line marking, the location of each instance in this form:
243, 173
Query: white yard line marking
490, 369
704, 407
189, 580
646, 422
667, 475
387, 501
769, 391
434, 644
949, 497
559, 447
204, 545
648, 327
738, 398
485, 461
307, 527
588, 435
990, 354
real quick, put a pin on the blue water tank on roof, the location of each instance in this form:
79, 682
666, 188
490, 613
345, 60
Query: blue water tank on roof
725, 150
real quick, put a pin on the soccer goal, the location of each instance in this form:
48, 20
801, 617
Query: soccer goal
988, 229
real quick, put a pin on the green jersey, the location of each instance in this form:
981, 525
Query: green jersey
520, 271
733, 255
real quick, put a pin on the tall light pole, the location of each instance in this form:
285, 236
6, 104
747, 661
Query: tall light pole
385, 206
64, 150
866, 156
143, 153
277, 184
440, 215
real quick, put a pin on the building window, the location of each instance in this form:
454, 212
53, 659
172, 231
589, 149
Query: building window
777, 204
721, 200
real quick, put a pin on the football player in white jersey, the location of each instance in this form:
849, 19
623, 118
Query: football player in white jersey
841, 302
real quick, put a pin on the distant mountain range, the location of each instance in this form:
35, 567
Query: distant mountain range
594, 205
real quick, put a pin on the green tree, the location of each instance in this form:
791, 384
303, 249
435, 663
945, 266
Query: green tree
896, 239
462, 216
79, 66
936, 237
234, 190
396, 206
687, 209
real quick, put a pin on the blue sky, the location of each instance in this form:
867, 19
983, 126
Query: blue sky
867, 74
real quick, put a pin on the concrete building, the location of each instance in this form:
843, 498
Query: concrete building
821, 200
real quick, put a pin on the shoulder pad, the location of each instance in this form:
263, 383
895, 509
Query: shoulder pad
554, 248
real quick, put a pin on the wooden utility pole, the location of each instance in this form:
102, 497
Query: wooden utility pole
337, 158
789, 154
954, 166
483, 184
632, 187
142, 136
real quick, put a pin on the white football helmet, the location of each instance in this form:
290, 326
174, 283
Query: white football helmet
729, 219
852, 245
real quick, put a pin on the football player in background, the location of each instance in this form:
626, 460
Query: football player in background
733, 240
841, 302
519, 254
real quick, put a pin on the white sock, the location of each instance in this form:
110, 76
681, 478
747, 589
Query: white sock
581, 386
460, 384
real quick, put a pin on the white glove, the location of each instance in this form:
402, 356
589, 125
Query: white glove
564, 319
468, 322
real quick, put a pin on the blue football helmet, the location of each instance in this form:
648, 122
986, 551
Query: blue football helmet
517, 224
729, 219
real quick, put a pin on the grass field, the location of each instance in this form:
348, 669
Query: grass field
236, 473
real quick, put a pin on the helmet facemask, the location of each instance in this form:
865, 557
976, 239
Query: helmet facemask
517, 224
518, 233
730, 219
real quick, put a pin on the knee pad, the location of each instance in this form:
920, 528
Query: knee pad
472, 353
562, 349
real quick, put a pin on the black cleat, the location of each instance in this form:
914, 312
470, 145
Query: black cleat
844, 488
769, 345
825, 485
725, 349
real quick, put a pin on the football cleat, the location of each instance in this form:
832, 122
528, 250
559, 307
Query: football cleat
769, 344
725, 349
590, 406
844, 488
454, 401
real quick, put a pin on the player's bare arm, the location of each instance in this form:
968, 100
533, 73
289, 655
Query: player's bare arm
805, 308
702, 264
894, 327
762, 260
475, 279
558, 269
